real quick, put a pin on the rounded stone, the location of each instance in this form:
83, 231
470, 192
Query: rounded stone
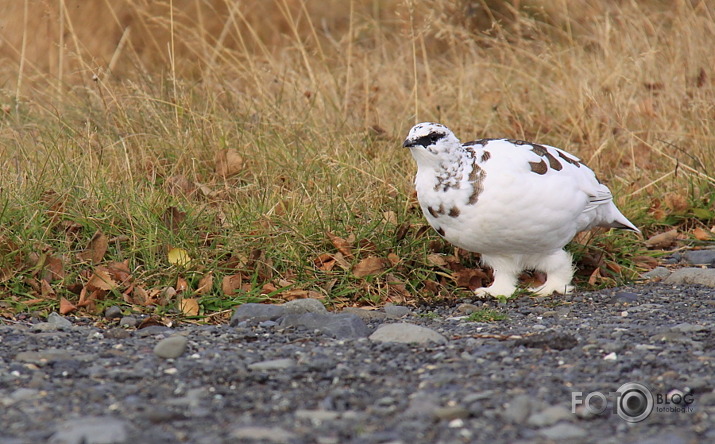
171, 347
406, 333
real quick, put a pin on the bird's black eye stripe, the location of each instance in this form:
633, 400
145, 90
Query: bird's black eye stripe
429, 139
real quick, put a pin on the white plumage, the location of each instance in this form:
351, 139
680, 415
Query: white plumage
514, 202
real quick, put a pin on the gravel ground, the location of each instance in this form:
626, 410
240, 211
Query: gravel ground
287, 377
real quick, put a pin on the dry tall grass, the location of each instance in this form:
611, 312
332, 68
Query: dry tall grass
106, 102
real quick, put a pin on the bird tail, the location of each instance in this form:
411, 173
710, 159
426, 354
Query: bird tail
616, 219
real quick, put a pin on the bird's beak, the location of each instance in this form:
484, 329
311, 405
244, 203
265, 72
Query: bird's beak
408, 143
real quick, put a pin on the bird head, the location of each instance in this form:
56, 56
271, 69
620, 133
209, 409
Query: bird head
431, 142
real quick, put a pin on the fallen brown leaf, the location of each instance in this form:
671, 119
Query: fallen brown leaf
228, 163
290, 295
173, 218
96, 248
46, 289
189, 307
101, 280
231, 283
324, 262
437, 260
471, 278
676, 202
179, 185
701, 234
66, 306
54, 269
343, 245
369, 266
181, 284
394, 259
205, 284
662, 240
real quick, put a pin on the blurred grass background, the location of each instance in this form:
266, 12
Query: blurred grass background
258, 137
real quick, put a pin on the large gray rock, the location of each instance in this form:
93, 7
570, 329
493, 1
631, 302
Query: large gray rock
256, 313
340, 325
406, 333
698, 276
91, 430
273, 364
262, 434
563, 432
300, 306
700, 257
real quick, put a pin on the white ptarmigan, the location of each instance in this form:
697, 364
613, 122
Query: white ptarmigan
516, 203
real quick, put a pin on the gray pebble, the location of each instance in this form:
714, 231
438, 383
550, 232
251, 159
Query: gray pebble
626, 296
44, 356
300, 306
60, 322
317, 416
698, 276
340, 325
113, 312
700, 257
253, 312
518, 409
466, 309
117, 333
396, 311
128, 322
273, 364
689, 328
406, 333
90, 430
366, 315
451, 412
262, 434
171, 347
563, 431
550, 416
656, 273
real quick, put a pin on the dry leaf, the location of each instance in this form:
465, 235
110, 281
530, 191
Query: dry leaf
647, 262
471, 278
390, 217
189, 307
343, 246
138, 296
66, 306
290, 295
173, 218
181, 284
394, 259
437, 260
368, 266
701, 234
325, 262
178, 256
228, 162
46, 289
677, 203
101, 280
662, 240
231, 283
54, 269
179, 185
595, 276
205, 284
119, 271
96, 248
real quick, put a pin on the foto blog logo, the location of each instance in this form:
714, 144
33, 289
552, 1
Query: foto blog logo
633, 402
